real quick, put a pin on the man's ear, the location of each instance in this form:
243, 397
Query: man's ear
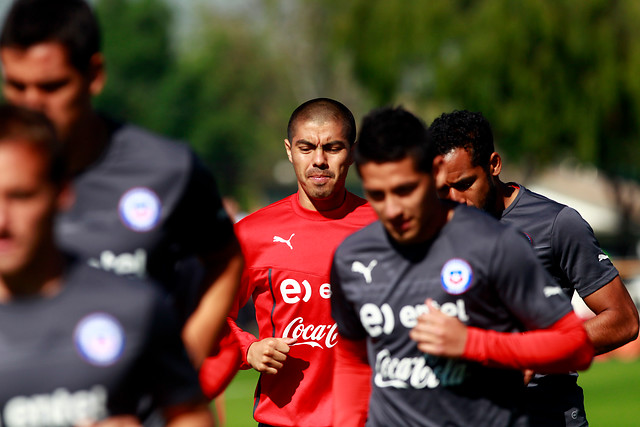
287, 146
97, 74
438, 171
352, 147
495, 165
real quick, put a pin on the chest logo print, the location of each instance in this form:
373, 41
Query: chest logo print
456, 276
358, 267
99, 339
140, 209
278, 239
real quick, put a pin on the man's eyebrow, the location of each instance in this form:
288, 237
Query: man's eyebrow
334, 142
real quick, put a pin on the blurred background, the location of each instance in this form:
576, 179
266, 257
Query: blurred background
559, 81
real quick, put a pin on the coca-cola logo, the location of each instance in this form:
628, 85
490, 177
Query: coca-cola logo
310, 334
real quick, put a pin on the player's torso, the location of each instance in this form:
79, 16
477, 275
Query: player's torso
389, 290
535, 218
118, 222
288, 262
71, 358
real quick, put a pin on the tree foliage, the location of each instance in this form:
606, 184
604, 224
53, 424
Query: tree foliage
556, 78
222, 93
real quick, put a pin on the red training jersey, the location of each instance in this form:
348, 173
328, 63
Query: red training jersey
288, 252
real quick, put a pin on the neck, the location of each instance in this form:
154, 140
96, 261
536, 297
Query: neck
42, 278
87, 143
322, 205
442, 213
506, 194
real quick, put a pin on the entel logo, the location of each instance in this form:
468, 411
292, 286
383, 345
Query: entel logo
381, 320
122, 264
59, 408
291, 291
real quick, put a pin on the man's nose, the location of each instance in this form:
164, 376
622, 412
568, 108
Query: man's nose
392, 208
319, 157
32, 98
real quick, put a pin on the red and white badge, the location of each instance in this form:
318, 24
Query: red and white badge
140, 209
99, 339
456, 276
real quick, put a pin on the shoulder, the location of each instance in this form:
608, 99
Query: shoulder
111, 289
360, 210
132, 142
267, 214
472, 220
533, 203
560, 217
370, 238
264, 220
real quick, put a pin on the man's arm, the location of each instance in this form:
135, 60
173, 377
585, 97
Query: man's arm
202, 330
596, 280
616, 320
351, 383
562, 347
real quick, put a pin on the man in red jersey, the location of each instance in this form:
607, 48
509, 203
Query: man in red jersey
288, 247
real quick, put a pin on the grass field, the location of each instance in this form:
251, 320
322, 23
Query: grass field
611, 388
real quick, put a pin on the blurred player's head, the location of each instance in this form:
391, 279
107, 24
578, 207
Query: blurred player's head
471, 165
32, 189
319, 144
396, 161
51, 60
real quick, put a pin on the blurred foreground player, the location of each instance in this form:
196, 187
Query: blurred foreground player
145, 206
288, 247
78, 345
563, 241
433, 297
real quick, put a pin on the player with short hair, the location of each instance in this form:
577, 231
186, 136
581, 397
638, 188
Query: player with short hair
78, 345
288, 247
145, 206
563, 241
436, 297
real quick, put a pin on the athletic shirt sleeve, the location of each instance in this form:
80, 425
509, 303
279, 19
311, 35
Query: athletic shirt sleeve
200, 221
523, 284
579, 255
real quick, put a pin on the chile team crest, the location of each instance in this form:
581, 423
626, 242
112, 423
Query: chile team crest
456, 276
100, 339
140, 209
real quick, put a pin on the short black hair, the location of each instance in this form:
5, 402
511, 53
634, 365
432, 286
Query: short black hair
464, 129
324, 109
69, 22
35, 129
391, 134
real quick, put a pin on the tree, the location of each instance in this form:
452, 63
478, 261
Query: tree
557, 79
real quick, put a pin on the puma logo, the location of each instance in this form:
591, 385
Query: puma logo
358, 267
602, 257
278, 239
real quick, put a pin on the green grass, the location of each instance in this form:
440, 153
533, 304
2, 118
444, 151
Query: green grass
611, 389
612, 393
238, 399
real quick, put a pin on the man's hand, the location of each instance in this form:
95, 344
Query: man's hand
268, 355
439, 334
